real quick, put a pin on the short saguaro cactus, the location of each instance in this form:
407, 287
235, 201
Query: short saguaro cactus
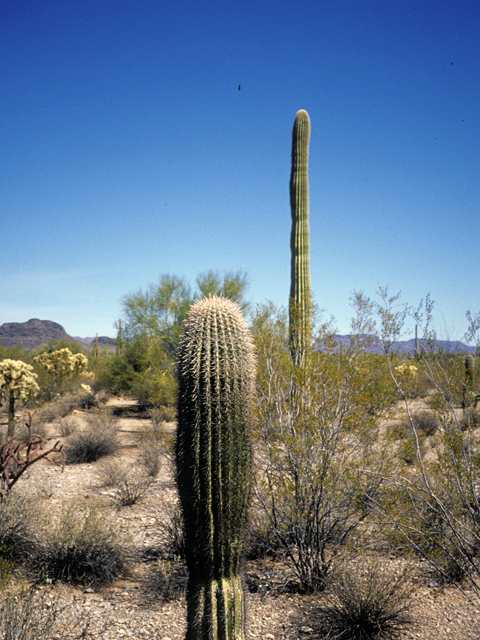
216, 370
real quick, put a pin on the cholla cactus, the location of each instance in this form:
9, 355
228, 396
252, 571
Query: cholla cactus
63, 367
62, 362
17, 382
216, 371
407, 370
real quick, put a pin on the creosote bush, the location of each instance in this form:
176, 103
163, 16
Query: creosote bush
317, 432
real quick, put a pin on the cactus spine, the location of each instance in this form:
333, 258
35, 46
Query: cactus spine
300, 306
216, 369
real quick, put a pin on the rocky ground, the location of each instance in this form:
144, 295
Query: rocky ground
133, 607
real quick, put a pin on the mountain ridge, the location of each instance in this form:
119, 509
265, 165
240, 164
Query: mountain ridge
32, 334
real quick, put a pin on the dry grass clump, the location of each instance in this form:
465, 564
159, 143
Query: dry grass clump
128, 483
365, 603
167, 581
171, 528
39, 615
18, 512
97, 440
162, 414
151, 457
82, 548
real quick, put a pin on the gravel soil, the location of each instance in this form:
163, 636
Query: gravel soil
132, 608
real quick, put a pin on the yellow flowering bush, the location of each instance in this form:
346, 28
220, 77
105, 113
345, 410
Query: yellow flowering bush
17, 382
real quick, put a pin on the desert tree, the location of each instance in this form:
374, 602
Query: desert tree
151, 328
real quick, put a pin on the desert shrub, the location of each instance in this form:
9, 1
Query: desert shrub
150, 457
98, 439
159, 415
39, 615
22, 433
171, 529
128, 483
167, 581
261, 538
317, 424
66, 426
364, 603
82, 548
18, 512
410, 448
89, 445
435, 506
424, 422
59, 408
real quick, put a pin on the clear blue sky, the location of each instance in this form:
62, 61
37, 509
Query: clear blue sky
127, 150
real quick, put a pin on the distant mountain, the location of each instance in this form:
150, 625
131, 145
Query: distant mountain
33, 333
408, 346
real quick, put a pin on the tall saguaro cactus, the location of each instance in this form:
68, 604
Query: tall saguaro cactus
300, 306
216, 369
469, 364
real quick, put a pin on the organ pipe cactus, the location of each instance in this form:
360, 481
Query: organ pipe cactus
300, 305
216, 369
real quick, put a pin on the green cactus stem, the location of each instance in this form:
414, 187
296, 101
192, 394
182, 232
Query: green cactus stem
469, 369
469, 364
216, 370
300, 305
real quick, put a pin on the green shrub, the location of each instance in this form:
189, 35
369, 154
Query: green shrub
317, 425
